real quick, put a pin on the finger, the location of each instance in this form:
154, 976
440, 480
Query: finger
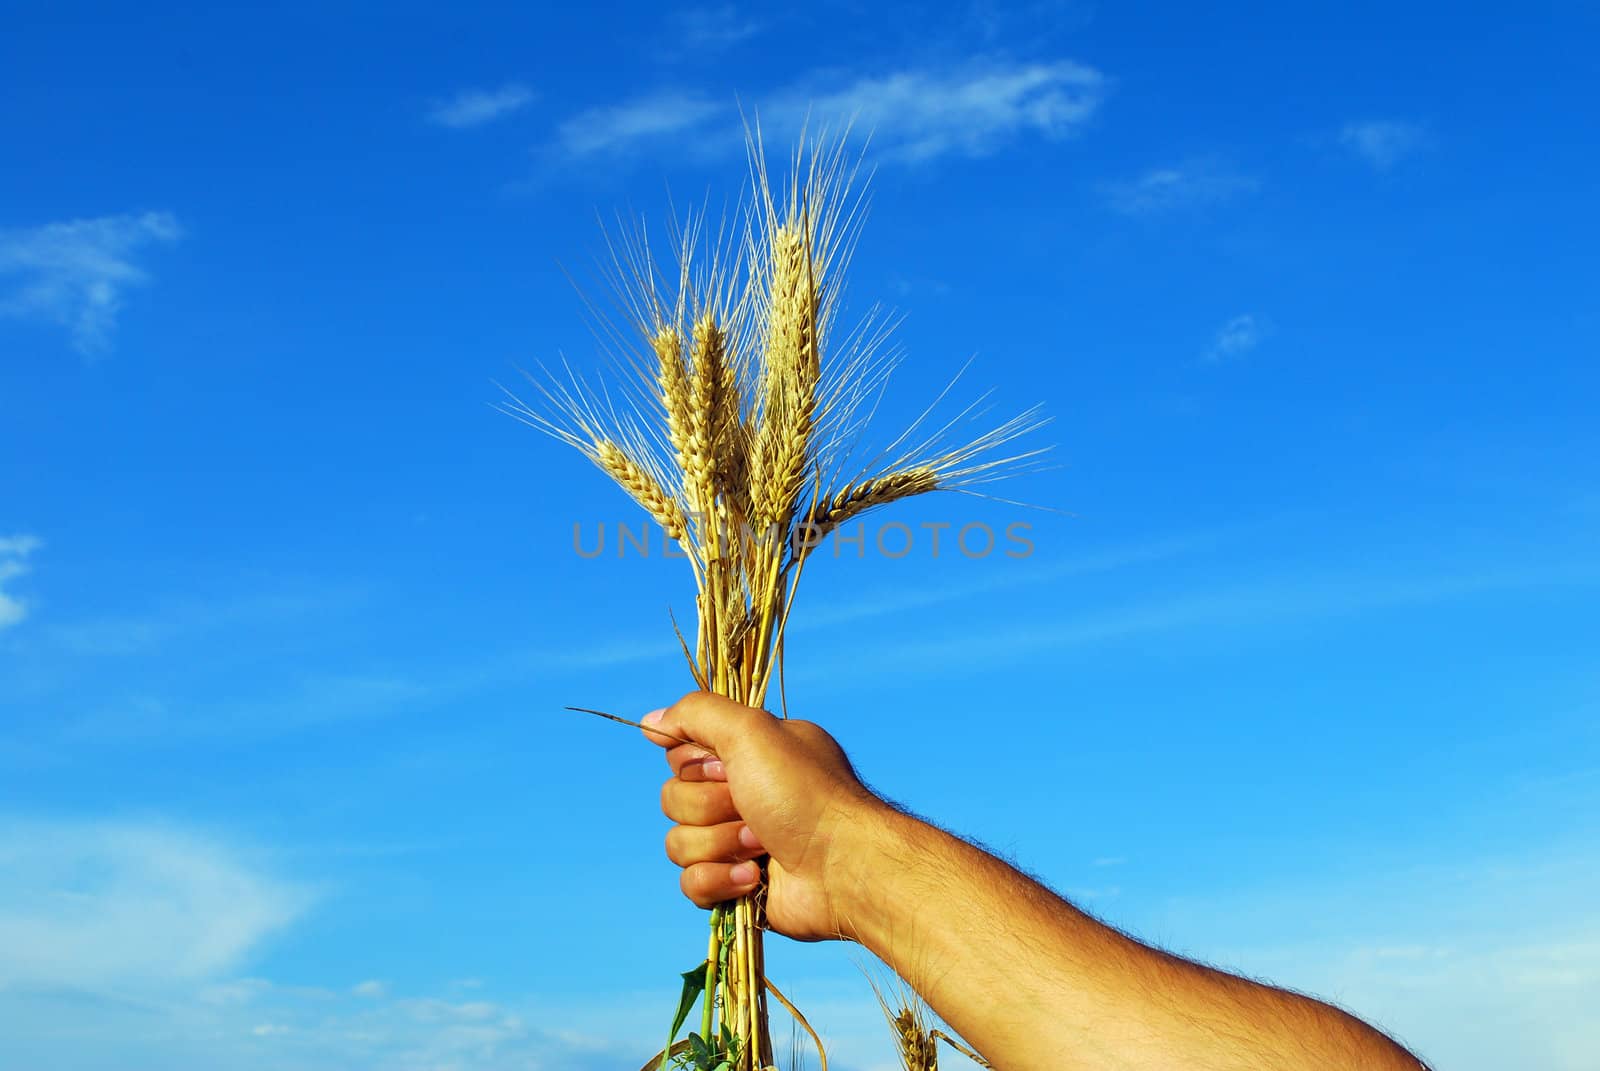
667, 738
727, 842
697, 804
691, 762
705, 719
709, 884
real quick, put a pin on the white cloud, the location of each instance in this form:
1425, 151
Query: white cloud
89, 905
1383, 142
1237, 337
305, 704
1266, 602
1438, 957
639, 121
193, 619
1192, 184
475, 107
717, 27
14, 552
1031, 19
858, 604
75, 273
912, 116
371, 988
261, 1024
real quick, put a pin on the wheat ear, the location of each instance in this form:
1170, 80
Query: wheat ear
708, 423
791, 367
852, 501
912, 1039
672, 382
633, 478
917, 1049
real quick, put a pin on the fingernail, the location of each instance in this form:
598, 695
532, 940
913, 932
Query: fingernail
747, 837
713, 771
745, 873
653, 717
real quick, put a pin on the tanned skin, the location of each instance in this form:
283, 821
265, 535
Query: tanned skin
1031, 982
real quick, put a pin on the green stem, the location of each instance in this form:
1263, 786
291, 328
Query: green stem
711, 973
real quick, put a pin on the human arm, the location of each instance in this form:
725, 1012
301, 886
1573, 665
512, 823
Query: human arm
1030, 981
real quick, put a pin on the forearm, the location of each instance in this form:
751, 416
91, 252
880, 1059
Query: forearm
1035, 984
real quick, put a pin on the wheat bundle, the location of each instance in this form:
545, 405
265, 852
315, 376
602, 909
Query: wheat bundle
745, 408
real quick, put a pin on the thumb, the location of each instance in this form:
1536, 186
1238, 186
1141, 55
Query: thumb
714, 722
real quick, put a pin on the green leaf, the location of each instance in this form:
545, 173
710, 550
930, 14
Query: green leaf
701, 1051
694, 983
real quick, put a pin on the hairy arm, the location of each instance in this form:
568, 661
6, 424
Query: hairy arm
1030, 981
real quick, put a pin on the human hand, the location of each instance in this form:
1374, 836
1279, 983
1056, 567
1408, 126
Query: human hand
762, 785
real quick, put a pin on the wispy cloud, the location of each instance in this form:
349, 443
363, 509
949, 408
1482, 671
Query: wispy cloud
75, 273
1383, 143
197, 618
714, 27
917, 115
642, 121
255, 1022
1248, 606
91, 905
314, 701
866, 605
1192, 184
1237, 337
14, 554
913, 116
475, 107
1439, 960
1001, 19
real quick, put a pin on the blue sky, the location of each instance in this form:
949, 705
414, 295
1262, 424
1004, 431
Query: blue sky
1305, 683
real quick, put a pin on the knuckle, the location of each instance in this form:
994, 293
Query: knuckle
804, 730
684, 802
699, 885
696, 803
690, 702
677, 848
703, 811
812, 732
709, 804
